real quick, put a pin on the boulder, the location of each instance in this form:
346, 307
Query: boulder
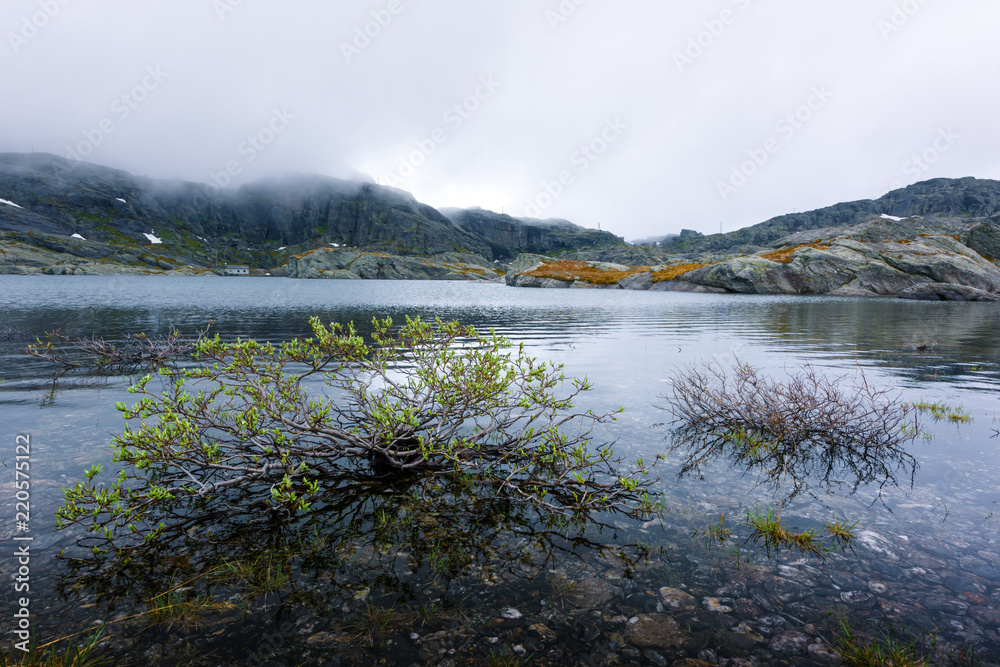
637, 281
656, 631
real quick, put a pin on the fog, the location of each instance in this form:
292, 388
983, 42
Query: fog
642, 116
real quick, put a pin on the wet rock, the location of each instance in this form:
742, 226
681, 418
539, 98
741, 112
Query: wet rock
676, 599
734, 589
655, 631
747, 609
947, 606
543, 631
655, 658
847, 581
958, 584
593, 592
699, 641
718, 605
984, 571
796, 575
823, 654
790, 643
973, 598
748, 630
733, 644
876, 543
859, 599
709, 656
786, 590
877, 587
986, 615
770, 625
888, 569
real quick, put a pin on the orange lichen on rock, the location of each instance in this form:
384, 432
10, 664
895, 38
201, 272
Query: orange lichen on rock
784, 256
309, 252
672, 272
572, 270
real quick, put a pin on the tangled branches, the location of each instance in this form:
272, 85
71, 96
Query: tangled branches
808, 426
136, 351
8, 334
420, 399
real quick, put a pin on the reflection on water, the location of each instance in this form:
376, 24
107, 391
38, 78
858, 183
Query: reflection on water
929, 561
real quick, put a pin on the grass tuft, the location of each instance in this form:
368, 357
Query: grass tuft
767, 527
880, 651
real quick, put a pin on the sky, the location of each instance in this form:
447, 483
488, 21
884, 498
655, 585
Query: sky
643, 117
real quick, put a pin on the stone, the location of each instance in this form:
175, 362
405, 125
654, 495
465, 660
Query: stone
677, 600
655, 631
987, 616
823, 654
543, 631
593, 592
790, 643
637, 281
718, 605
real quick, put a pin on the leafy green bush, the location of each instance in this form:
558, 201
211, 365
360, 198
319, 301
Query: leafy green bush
420, 399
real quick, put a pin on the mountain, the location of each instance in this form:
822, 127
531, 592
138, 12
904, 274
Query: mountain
948, 197
196, 225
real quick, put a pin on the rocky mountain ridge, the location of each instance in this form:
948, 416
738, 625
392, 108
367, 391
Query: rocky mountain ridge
114, 214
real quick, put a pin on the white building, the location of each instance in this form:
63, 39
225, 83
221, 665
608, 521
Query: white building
237, 270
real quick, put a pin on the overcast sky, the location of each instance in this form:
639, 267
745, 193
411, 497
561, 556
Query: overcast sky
643, 116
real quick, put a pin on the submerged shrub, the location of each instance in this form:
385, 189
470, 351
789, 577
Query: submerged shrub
422, 399
806, 427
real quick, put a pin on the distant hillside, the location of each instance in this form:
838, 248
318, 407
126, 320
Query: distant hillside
943, 197
508, 236
197, 225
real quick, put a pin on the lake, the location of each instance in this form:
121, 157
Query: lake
924, 569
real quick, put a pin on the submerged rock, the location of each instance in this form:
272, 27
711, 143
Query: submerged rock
655, 631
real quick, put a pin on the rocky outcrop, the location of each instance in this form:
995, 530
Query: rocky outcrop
946, 292
917, 264
341, 264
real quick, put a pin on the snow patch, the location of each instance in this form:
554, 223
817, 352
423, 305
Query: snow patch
335, 245
121, 200
152, 237
282, 247
10, 203
77, 236
891, 217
